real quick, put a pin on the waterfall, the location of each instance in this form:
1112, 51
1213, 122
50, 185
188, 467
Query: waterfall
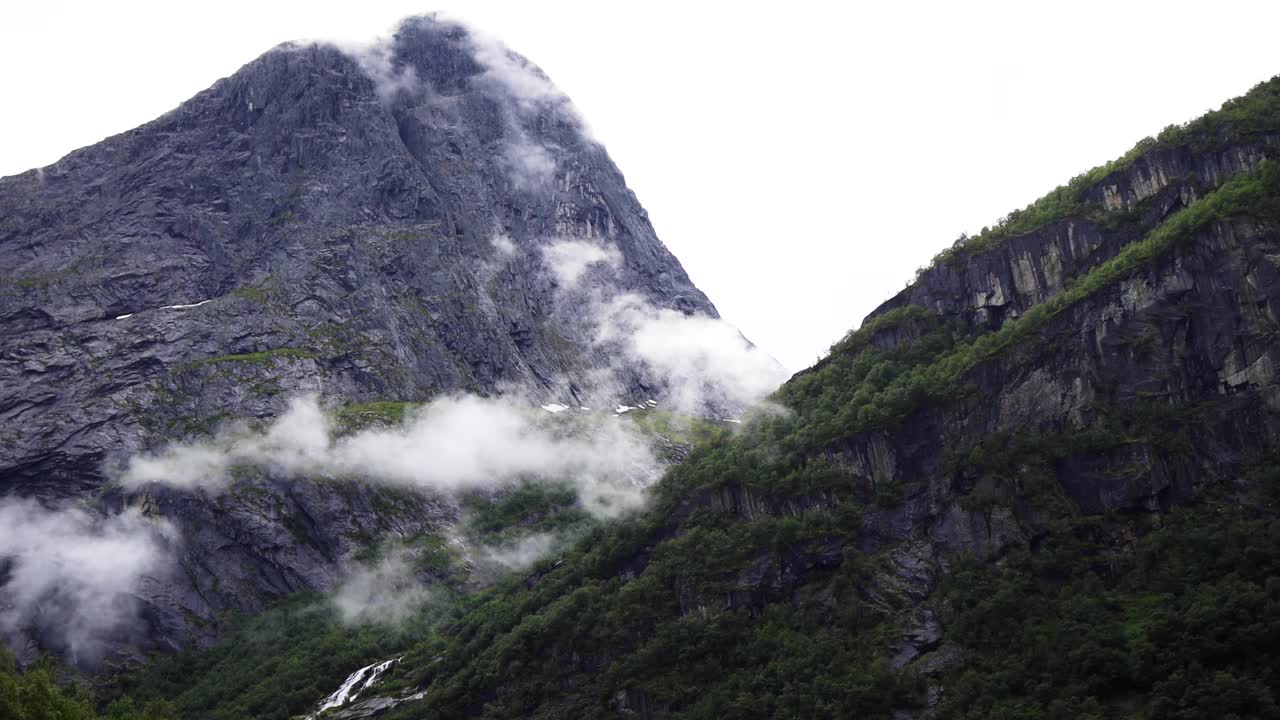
356, 683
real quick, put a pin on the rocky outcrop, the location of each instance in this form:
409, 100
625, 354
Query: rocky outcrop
1188, 340
1147, 394
1157, 390
1150, 173
989, 287
1180, 356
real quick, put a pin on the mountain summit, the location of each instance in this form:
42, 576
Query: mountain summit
380, 225
393, 222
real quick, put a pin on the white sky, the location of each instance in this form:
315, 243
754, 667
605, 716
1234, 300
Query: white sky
801, 159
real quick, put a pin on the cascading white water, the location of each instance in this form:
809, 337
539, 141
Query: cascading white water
356, 683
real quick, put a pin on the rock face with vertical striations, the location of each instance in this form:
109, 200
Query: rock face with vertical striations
1041, 481
382, 224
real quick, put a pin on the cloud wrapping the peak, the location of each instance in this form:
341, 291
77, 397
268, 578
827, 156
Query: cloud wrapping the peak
377, 60
524, 95
702, 359
513, 75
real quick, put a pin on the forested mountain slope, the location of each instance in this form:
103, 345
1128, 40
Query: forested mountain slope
1040, 482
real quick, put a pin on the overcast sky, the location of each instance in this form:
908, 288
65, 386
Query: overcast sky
801, 159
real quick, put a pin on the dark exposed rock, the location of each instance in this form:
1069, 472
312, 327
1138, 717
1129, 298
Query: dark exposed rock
999, 284
923, 634
324, 223
1193, 329
373, 707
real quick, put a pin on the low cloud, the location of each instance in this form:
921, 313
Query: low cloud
523, 92
503, 245
385, 592
514, 76
455, 444
569, 260
528, 164
377, 60
519, 554
703, 360
70, 577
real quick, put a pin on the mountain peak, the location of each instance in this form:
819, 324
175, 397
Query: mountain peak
381, 224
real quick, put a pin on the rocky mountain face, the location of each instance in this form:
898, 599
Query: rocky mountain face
1063, 428
1192, 330
1041, 481
377, 225
1194, 327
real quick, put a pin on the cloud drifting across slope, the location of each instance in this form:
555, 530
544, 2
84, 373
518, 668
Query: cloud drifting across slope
69, 574
514, 75
456, 444
377, 61
523, 92
528, 164
569, 259
519, 554
385, 591
701, 359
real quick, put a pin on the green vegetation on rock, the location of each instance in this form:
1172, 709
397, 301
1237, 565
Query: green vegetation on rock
36, 694
274, 665
1252, 116
255, 358
1183, 627
381, 413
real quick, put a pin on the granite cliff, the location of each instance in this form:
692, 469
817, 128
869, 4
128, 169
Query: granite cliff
379, 226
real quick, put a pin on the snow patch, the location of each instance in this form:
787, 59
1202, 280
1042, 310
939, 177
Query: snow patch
555, 408
185, 307
126, 316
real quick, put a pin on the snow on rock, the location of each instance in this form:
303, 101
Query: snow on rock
624, 408
126, 316
184, 307
555, 408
